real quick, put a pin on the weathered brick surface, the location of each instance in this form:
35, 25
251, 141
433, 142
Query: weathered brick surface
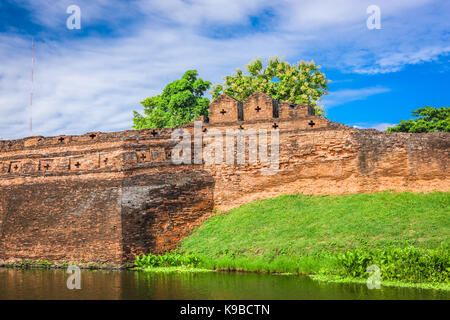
159, 207
289, 110
260, 106
225, 109
61, 220
110, 196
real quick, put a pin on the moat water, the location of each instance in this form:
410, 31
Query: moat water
52, 284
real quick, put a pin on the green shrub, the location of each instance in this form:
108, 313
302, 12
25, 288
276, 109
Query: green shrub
408, 264
169, 259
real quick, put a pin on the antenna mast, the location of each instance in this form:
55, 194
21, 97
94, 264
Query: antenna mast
32, 85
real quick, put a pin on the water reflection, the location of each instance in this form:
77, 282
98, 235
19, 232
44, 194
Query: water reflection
51, 284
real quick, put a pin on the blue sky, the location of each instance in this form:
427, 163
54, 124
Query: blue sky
93, 78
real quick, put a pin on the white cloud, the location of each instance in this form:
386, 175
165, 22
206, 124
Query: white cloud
382, 126
53, 14
396, 61
196, 13
93, 83
96, 84
378, 126
342, 96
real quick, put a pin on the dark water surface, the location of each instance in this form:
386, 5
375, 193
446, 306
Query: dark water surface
51, 284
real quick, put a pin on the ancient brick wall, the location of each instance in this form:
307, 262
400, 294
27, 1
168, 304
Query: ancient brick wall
102, 198
260, 106
225, 109
109, 196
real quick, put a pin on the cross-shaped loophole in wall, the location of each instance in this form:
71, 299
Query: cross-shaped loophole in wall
61, 139
223, 111
143, 156
92, 136
47, 166
154, 132
77, 164
275, 126
311, 123
16, 167
258, 109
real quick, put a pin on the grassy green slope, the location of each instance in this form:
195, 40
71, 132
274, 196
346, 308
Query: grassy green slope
297, 233
302, 224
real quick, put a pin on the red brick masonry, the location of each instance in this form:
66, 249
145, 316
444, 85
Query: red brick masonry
109, 196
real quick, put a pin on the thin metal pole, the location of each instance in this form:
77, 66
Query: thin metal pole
32, 85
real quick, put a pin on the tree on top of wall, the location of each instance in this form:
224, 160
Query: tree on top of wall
297, 83
428, 119
180, 102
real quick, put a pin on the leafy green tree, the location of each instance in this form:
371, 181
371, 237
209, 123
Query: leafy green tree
428, 120
297, 83
180, 102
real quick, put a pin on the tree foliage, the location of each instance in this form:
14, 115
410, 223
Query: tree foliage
297, 83
428, 120
180, 102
